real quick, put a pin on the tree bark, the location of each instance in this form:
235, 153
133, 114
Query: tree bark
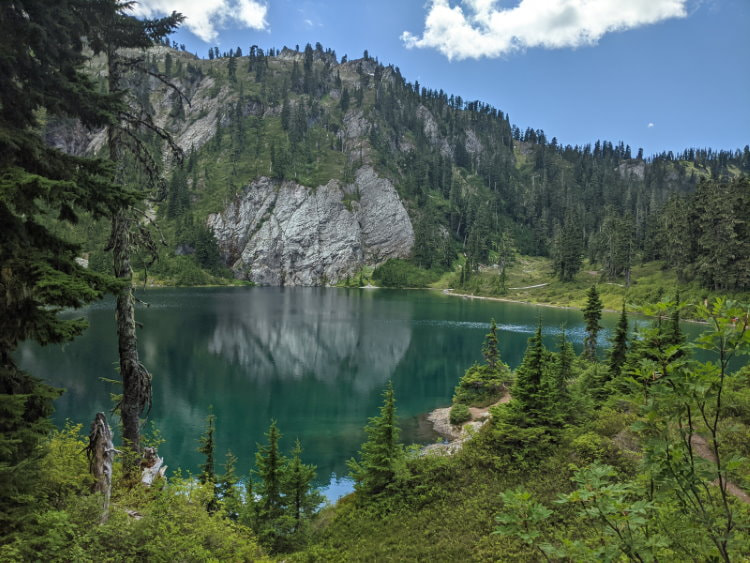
136, 380
101, 454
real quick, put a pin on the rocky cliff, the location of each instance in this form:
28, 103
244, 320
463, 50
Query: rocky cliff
282, 233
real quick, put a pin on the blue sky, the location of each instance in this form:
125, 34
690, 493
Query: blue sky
657, 74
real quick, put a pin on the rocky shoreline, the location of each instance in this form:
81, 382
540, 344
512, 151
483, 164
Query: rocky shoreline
457, 434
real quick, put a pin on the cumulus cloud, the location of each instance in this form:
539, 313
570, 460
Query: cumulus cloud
650, 124
479, 28
205, 17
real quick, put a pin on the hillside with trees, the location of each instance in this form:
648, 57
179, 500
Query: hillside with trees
637, 456
478, 190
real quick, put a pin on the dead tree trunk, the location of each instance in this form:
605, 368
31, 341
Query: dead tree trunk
152, 467
101, 454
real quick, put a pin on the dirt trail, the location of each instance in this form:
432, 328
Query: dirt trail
701, 447
530, 286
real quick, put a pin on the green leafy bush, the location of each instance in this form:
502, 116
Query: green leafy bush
400, 273
459, 414
481, 385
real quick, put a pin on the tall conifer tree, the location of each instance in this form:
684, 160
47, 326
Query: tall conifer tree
227, 487
489, 350
117, 36
381, 453
41, 188
619, 352
592, 314
208, 449
269, 468
301, 498
530, 392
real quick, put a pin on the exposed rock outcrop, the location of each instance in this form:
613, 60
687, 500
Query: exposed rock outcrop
287, 234
632, 168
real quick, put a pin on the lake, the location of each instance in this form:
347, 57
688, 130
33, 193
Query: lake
314, 359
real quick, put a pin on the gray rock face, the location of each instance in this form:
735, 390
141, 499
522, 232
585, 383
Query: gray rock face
432, 132
288, 234
633, 168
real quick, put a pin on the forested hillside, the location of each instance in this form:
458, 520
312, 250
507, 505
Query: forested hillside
639, 455
475, 186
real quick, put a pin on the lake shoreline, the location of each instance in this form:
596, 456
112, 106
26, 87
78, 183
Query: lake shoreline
550, 305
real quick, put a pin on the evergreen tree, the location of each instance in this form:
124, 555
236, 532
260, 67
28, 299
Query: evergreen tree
568, 249
565, 364
484, 384
286, 113
344, 103
619, 351
381, 454
489, 350
118, 37
301, 497
207, 448
270, 522
673, 331
227, 488
592, 314
232, 68
530, 392
42, 192
721, 234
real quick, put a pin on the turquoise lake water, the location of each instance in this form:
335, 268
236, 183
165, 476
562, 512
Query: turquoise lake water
314, 359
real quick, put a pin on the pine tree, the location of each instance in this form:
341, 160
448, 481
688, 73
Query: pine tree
531, 392
42, 192
116, 36
592, 314
227, 488
286, 113
381, 454
619, 352
489, 350
301, 498
568, 249
565, 360
232, 68
344, 103
207, 448
270, 524
673, 331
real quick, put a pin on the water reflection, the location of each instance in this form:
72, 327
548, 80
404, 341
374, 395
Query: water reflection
314, 359
326, 335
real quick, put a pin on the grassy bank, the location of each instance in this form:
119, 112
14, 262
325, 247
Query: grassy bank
531, 280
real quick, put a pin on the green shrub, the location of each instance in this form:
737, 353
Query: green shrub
481, 386
400, 273
459, 414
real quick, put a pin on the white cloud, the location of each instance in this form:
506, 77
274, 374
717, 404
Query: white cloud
478, 28
650, 124
205, 17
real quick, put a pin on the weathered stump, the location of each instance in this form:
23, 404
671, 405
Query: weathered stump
101, 454
152, 466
